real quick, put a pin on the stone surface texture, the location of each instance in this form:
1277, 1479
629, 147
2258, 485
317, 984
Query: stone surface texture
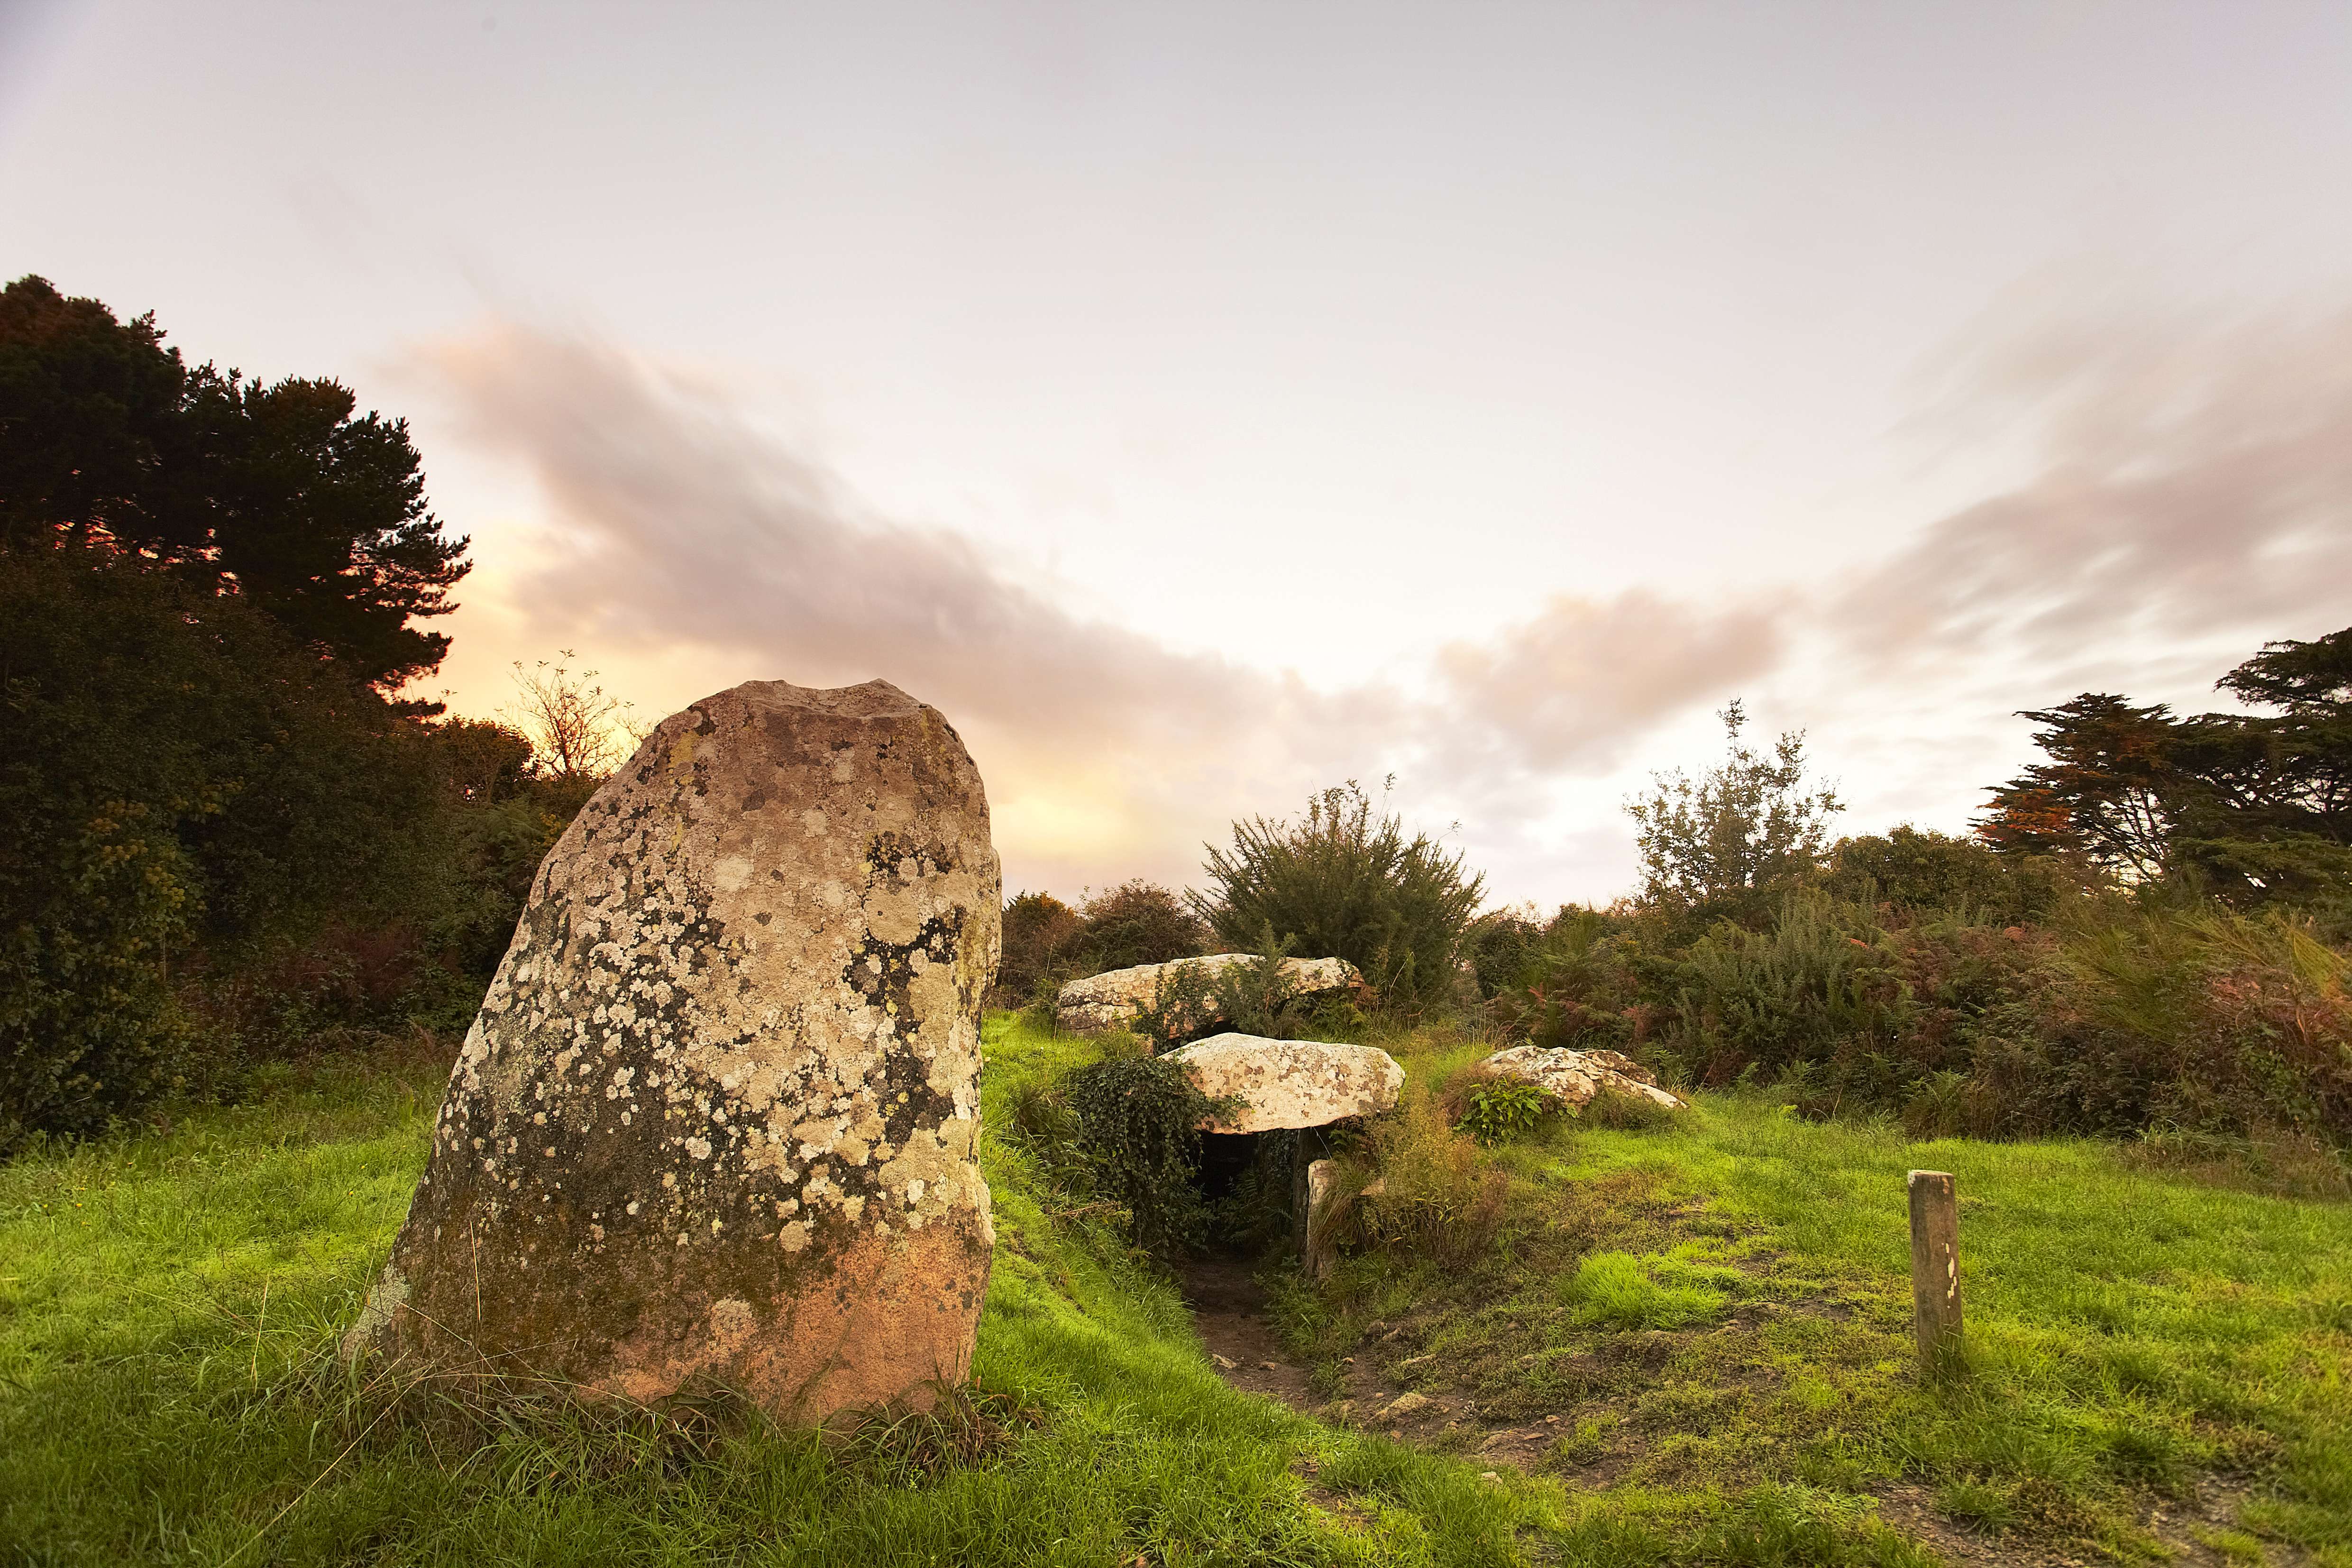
1573, 1077
718, 1117
1109, 1000
1291, 1083
1321, 1251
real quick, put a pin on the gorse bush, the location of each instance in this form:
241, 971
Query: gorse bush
1342, 883
2196, 1019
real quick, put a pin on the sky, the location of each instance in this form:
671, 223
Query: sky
1202, 404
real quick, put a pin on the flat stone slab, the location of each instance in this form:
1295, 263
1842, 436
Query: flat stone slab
1573, 1077
1111, 1000
1291, 1083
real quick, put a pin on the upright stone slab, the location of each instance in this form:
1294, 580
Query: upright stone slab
717, 1119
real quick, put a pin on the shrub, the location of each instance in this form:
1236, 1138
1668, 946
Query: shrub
1815, 986
1911, 870
1139, 1122
183, 789
1499, 1112
1255, 997
1137, 923
1576, 985
1439, 1196
88, 1027
2188, 1018
1340, 883
1040, 930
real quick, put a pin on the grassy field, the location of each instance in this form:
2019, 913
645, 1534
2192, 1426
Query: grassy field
1713, 1312
2156, 1362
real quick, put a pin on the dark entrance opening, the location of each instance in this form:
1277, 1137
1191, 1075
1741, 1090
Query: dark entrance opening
1256, 1184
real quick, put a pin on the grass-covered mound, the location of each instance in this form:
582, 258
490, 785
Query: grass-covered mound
168, 1302
1670, 1315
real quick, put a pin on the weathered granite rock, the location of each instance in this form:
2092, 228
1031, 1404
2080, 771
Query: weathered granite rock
717, 1117
1291, 1083
1320, 1250
1111, 999
1573, 1077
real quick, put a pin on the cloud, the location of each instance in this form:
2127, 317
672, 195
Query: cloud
680, 523
1568, 689
2194, 481
2187, 493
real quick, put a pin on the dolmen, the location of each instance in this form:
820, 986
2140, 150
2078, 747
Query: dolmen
1300, 1086
1113, 999
717, 1121
1573, 1077
1289, 1084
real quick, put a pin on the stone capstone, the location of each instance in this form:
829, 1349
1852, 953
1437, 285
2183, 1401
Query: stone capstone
717, 1121
1111, 1000
1573, 1077
1290, 1083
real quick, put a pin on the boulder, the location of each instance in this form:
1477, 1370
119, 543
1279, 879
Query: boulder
1112, 999
717, 1119
1573, 1077
1290, 1083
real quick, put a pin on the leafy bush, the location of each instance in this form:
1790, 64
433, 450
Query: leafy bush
185, 790
1137, 923
1925, 871
1340, 883
1047, 943
1040, 930
1499, 1112
1139, 1122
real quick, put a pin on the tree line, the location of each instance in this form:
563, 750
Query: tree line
225, 834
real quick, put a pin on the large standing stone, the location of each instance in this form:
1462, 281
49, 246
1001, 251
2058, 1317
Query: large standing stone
717, 1117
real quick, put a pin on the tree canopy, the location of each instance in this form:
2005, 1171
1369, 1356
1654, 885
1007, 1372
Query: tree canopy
1725, 843
280, 494
2255, 806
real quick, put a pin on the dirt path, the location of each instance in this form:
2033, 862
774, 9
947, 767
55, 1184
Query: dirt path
1229, 1311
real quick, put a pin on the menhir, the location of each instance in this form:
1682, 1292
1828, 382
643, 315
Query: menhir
717, 1121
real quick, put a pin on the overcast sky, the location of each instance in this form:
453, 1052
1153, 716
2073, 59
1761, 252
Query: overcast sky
1200, 403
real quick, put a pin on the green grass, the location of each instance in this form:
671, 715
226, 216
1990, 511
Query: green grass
1722, 1303
168, 1303
1716, 1311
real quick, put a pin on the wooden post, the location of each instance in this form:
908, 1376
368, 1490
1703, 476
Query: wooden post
1935, 1266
